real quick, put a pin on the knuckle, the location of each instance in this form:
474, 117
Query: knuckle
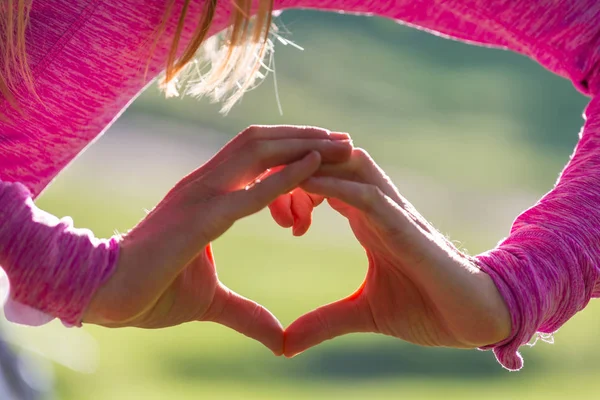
360, 162
265, 147
262, 150
322, 321
371, 196
255, 316
361, 156
251, 132
255, 132
201, 191
217, 306
317, 129
255, 147
308, 131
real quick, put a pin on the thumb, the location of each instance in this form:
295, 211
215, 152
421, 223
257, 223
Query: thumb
281, 210
302, 205
349, 315
341, 207
242, 203
247, 317
295, 209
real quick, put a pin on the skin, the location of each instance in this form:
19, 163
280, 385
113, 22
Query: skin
166, 273
418, 287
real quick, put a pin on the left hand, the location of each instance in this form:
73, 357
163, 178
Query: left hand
418, 287
166, 274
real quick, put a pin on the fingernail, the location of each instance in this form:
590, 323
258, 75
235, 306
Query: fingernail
339, 136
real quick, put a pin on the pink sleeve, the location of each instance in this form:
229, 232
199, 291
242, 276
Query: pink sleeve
548, 268
53, 268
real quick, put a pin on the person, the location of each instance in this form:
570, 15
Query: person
86, 61
419, 287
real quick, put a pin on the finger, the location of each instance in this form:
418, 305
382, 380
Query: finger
252, 160
281, 207
370, 200
242, 203
316, 199
263, 132
367, 198
360, 167
281, 210
342, 317
302, 206
294, 209
259, 132
247, 317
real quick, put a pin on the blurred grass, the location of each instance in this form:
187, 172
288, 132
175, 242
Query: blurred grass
438, 106
488, 127
290, 277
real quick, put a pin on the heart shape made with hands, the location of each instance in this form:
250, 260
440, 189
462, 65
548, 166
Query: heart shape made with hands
419, 287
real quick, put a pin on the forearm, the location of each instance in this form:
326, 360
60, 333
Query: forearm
547, 269
52, 266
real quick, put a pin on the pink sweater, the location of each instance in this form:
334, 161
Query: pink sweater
88, 57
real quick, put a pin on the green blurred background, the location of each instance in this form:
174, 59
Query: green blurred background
471, 136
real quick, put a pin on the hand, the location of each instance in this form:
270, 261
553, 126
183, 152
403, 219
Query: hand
294, 210
166, 272
418, 287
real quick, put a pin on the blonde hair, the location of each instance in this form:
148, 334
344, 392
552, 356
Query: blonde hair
230, 61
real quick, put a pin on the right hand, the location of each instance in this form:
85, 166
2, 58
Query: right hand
419, 287
166, 273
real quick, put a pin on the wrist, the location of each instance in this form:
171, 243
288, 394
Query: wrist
499, 325
111, 303
52, 266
